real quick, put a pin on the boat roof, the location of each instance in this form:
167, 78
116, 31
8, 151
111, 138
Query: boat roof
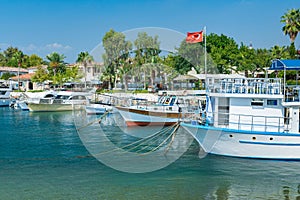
279, 64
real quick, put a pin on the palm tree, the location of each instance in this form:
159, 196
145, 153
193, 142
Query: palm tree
84, 58
278, 52
18, 56
292, 27
57, 64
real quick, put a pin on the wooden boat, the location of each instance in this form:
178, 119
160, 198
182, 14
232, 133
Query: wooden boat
167, 111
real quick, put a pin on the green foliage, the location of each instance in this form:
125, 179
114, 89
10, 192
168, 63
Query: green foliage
6, 76
34, 60
56, 68
223, 51
178, 63
84, 58
191, 55
278, 52
40, 75
292, 23
117, 51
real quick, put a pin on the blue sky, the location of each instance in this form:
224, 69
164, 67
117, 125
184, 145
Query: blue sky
72, 26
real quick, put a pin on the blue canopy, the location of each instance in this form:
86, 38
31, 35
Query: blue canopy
285, 65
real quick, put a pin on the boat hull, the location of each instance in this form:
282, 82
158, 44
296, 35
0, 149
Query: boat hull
246, 144
97, 109
53, 107
136, 117
5, 102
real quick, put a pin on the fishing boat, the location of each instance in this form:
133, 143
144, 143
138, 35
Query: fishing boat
167, 111
250, 118
63, 101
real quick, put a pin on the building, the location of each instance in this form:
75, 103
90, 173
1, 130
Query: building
12, 70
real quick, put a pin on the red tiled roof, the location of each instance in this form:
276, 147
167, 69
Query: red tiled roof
23, 77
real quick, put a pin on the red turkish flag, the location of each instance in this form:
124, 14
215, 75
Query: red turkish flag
194, 37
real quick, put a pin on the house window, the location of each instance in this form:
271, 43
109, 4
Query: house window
257, 102
272, 102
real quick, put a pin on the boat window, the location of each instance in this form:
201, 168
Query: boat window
61, 97
257, 102
167, 101
49, 96
172, 101
272, 102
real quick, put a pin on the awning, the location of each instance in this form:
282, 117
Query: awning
285, 65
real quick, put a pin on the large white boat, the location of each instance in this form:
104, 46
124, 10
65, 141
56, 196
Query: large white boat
63, 101
250, 118
167, 111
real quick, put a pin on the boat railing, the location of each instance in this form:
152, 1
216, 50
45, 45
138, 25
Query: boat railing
242, 122
246, 86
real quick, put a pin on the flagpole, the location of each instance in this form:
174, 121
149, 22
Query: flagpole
205, 58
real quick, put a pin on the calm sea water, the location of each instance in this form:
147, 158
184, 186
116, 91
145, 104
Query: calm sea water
42, 157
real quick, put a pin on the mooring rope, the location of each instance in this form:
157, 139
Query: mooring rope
163, 141
151, 140
136, 142
92, 122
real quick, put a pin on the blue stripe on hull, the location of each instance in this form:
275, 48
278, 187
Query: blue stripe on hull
268, 143
254, 157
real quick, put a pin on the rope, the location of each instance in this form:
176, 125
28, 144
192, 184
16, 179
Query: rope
141, 140
152, 141
163, 141
92, 122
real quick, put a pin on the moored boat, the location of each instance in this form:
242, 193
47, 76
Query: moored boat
5, 99
167, 111
249, 118
63, 101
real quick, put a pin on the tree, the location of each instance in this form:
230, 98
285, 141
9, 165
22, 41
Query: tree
292, 26
13, 57
245, 60
84, 58
56, 67
223, 51
34, 60
17, 59
117, 51
278, 52
193, 54
6, 76
147, 55
40, 75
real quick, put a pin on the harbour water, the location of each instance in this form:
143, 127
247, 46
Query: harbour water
42, 157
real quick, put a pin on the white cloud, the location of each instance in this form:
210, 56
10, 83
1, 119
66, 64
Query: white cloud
57, 46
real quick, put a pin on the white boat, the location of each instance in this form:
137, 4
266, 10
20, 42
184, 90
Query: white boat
98, 109
63, 101
5, 99
20, 104
249, 118
167, 111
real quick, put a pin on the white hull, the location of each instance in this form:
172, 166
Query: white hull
97, 109
4, 102
246, 144
151, 118
53, 107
